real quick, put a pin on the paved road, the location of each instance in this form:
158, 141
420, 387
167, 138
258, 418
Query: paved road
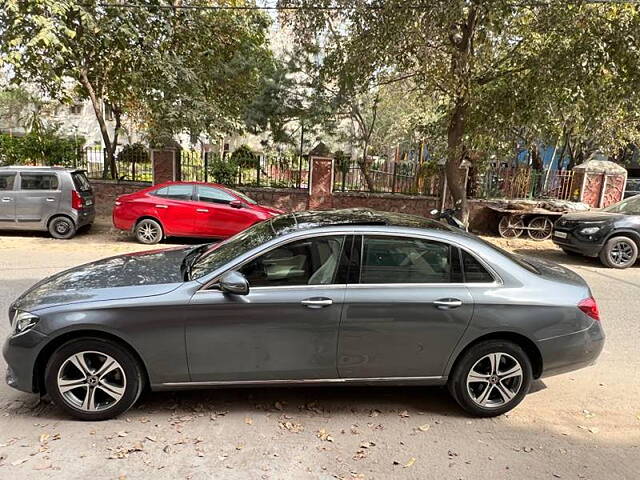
580, 425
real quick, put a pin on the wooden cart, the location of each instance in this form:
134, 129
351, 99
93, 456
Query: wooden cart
537, 222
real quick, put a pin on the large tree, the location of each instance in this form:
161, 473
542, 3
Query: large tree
458, 50
172, 69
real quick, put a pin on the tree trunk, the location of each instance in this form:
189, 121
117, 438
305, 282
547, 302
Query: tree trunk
455, 148
96, 102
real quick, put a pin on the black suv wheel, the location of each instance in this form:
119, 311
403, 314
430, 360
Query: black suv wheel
619, 252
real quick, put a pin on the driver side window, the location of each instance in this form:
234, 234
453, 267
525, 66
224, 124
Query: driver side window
311, 261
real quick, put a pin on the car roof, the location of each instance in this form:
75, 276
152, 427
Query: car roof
298, 221
42, 168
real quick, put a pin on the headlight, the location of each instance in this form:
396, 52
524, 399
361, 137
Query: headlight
23, 321
589, 230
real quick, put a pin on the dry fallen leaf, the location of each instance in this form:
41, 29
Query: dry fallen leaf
122, 434
44, 437
292, 427
404, 414
424, 428
411, 461
324, 435
248, 420
19, 462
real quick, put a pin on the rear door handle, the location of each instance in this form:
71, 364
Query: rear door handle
6, 199
202, 210
51, 199
447, 303
317, 302
162, 206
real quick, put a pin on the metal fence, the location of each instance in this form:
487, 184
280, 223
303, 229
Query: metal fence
408, 178
523, 183
260, 171
131, 164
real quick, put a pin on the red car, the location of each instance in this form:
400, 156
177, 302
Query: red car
187, 209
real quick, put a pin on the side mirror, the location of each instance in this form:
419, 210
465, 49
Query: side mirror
434, 211
236, 204
234, 283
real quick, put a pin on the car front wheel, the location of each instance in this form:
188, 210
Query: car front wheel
491, 378
619, 252
93, 379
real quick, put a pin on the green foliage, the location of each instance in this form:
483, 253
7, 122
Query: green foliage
169, 71
244, 157
223, 171
134, 153
43, 147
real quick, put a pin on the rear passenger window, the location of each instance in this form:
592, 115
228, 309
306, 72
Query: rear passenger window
407, 260
474, 272
6, 181
175, 192
38, 181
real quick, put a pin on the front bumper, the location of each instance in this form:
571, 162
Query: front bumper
21, 353
575, 244
573, 351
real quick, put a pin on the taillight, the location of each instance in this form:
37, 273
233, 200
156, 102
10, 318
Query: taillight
76, 200
590, 307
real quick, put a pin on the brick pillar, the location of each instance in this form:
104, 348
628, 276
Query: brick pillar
321, 183
164, 164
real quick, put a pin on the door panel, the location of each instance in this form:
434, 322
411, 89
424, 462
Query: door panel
216, 217
286, 328
175, 208
407, 310
7, 200
397, 331
38, 197
266, 335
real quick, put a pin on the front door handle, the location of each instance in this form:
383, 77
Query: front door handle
317, 302
6, 199
447, 303
51, 199
202, 210
162, 206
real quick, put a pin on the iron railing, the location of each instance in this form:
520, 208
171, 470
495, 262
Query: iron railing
409, 178
523, 183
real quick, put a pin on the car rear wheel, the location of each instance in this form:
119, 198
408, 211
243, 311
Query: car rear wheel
491, 378
148, 231
62, 228
619, 252
93, 379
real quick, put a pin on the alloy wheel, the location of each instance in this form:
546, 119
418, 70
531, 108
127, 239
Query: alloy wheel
91, 381
621, 253
494, 380
148, 232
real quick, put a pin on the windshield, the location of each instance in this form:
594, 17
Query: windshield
222, 253
629, 206
243, 196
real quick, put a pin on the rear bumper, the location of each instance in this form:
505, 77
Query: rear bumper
86, 216
571, 352
574, 244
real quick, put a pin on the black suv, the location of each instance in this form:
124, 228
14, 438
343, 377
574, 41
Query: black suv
612, 234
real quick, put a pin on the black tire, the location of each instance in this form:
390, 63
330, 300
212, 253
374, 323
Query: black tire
571, 253
128, 379
149, 231
619, 252
62, 228
476, 356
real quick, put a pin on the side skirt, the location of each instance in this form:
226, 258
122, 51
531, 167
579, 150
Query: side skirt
426, 381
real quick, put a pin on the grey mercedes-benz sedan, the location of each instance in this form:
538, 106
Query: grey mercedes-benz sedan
312, 298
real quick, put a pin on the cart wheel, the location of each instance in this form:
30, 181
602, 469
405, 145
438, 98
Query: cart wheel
540, 228
511, 226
